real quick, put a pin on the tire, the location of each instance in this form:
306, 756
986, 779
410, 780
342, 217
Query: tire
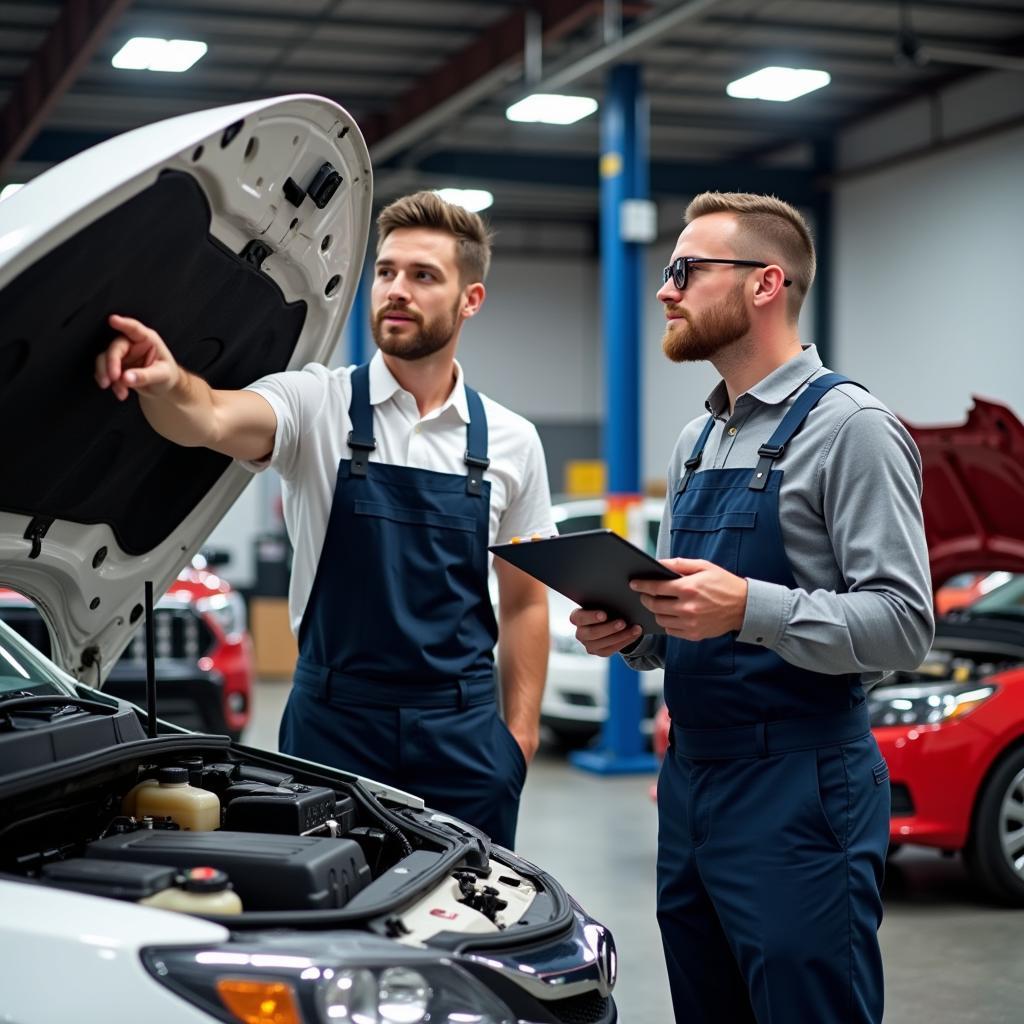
893, 849
995, 851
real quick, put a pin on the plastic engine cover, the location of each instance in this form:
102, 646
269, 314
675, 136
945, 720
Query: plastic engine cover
269, 872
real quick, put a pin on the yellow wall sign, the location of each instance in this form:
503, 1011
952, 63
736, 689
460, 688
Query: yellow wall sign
585, 477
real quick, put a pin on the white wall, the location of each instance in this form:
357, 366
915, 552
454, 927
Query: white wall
533, 346
930, 272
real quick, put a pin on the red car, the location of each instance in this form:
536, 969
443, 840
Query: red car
204, 665
953, 731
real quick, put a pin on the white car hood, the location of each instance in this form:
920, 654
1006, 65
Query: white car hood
202, 227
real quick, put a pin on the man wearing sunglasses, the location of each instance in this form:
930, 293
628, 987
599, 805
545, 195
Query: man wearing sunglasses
794, 521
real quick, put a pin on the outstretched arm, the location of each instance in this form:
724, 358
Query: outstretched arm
178, 404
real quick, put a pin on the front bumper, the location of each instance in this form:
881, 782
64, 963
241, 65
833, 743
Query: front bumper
935, 772
568, 980
576, 694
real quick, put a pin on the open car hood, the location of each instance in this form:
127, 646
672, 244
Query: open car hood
227, 232
974, 492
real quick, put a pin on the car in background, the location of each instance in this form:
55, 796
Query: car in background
965, 588
575, 702
203, 651
952, 731
147, 870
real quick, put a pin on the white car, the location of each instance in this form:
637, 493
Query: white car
576, 696
151, 872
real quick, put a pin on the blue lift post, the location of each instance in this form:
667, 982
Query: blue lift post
624, 175
359, 322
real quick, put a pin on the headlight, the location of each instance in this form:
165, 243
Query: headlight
265, 988
229, 611
925, 705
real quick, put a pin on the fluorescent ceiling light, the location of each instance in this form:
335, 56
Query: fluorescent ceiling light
551, 108
472, 199
9, 190
144, 53
782, 84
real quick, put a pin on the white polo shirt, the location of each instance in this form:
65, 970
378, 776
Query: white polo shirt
311, 406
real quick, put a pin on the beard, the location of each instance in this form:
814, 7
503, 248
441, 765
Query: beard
689, 340
431, 337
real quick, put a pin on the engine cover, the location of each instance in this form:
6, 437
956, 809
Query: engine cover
269, 872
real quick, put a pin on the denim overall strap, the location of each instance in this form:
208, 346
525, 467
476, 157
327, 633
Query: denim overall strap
476, 443
360, 437
775, 446
697, 454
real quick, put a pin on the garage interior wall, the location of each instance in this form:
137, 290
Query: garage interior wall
929, 262
927, 271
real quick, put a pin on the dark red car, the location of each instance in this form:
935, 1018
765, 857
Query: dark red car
204, 662
952, 732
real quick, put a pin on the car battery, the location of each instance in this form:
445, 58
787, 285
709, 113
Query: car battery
287, 809
269, 872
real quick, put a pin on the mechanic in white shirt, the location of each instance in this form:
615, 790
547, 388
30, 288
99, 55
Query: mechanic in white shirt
397, 476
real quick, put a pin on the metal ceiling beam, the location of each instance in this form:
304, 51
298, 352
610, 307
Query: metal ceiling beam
476, 72
804, 33
666, 177
641, 34
973, 8
79, 29
722, 56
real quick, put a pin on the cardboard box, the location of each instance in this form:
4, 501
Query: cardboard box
273, 641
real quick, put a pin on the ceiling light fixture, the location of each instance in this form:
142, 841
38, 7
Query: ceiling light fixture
472, 199
146, 53
551, 108
780, 84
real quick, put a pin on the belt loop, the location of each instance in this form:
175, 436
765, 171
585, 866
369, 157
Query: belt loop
462, 699
325, 683
760, 740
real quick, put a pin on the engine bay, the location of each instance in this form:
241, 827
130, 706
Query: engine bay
218, 834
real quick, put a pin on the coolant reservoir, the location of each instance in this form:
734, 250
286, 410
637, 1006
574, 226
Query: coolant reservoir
203, 891
128, 804
196, 810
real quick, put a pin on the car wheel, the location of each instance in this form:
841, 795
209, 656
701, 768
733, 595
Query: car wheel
995, 851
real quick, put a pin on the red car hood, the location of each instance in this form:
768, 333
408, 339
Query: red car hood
974, 492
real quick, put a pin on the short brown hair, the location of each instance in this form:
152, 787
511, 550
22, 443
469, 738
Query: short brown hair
429, 210
769, 230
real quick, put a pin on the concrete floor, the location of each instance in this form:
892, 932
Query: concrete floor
951, 957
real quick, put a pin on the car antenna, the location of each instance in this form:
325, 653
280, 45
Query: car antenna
150, 662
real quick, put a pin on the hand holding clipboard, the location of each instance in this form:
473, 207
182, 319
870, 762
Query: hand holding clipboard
592, 568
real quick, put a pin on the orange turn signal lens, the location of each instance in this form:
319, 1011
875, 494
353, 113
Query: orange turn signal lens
259, 1002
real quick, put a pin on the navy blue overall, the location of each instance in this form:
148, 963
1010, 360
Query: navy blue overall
773, 798
395, 679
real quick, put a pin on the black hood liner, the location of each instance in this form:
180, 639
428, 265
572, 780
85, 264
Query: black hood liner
72, 451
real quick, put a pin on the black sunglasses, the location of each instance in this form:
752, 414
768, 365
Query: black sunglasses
677, 269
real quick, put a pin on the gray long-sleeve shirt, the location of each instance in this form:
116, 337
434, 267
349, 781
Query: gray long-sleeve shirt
850, 513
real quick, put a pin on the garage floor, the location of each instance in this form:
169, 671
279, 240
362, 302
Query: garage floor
950, 956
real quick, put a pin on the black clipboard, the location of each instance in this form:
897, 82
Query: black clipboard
592, 568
